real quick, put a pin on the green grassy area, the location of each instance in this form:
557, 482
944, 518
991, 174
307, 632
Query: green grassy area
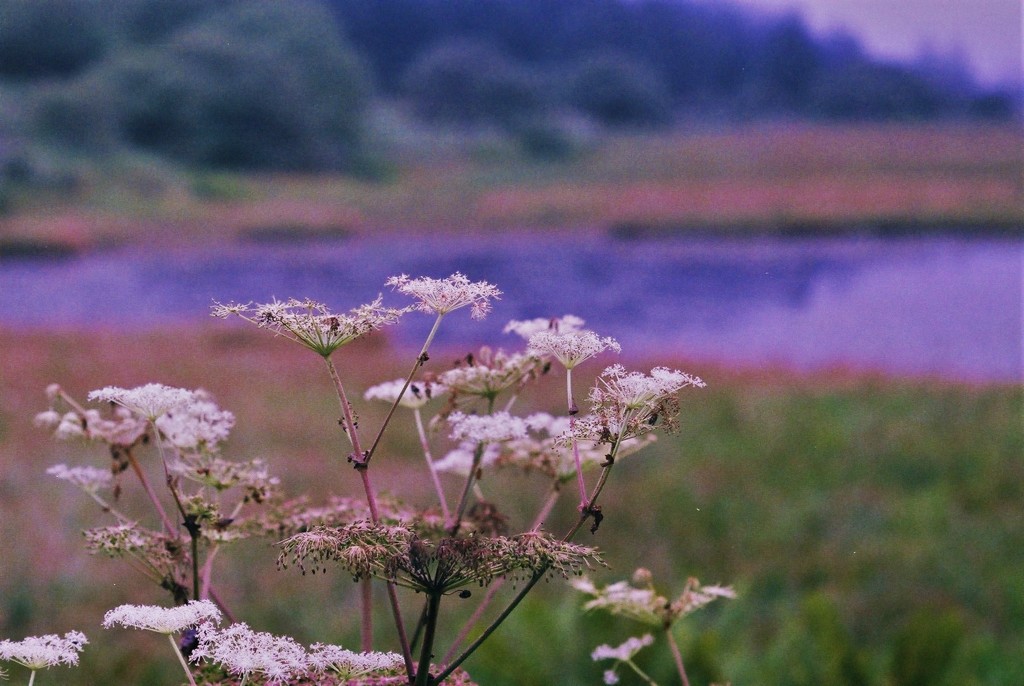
798, 178
872, 527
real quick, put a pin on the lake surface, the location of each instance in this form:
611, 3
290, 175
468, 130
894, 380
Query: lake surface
946, 307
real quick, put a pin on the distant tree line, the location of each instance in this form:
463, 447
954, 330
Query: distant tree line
220, 83
287, 85
637, 62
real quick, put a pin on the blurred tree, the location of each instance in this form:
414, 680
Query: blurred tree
788, 64
617, 90
255, 84
814, 648
925, 649
471, 82
875, 91
46, 38
72, 116
148, 21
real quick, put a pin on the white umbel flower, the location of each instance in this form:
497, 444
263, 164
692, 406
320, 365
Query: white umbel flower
89, 479
350, 665
418, 394
199, 424
635, 390
460, 460
488, 428
162, 620
41, 652
242, 652
526, 328
571, 347
312, 323
149, 401
625, 651
441, 296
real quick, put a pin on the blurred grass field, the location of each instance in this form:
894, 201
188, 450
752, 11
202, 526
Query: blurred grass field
783, 178
872, 526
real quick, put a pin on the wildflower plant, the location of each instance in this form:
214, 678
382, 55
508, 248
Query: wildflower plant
638, 600
449, 548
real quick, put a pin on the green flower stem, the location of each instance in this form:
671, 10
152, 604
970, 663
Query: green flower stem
190, 523
32, 678
420, 359
452, 666
403, 639
575, 445
429, 629
148, 488
366, 627
464, 500
346, 412
181, 659
549, 504
641, 673
430, 463
677, 656
363, 467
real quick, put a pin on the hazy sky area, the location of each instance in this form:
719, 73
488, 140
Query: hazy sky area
986, 32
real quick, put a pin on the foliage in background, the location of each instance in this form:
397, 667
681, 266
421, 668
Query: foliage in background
256, 84
242, 85
710, 58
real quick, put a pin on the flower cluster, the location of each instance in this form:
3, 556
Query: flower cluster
416, 395
441, 296
42, 652
630, 404
527, 328
149, 401
348, 664
253, 476
162, 620
89, 479
397, 554
487, 374
546, 449
640, 602
460, 460
200, 425
244, 652
312, 323
622, 654
487, 428
159, 553
572, 347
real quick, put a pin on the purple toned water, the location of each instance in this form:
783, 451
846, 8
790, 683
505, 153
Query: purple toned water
940, 306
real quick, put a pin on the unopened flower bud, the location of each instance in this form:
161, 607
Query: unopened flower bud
52, 391
49, 419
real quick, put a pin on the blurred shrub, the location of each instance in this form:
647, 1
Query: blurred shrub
546, 141
44, 38
788, 64
258, 84
925, 649
617, 90
469, 82
149, 21
73, 115
875, 91
815, 648
254, 84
